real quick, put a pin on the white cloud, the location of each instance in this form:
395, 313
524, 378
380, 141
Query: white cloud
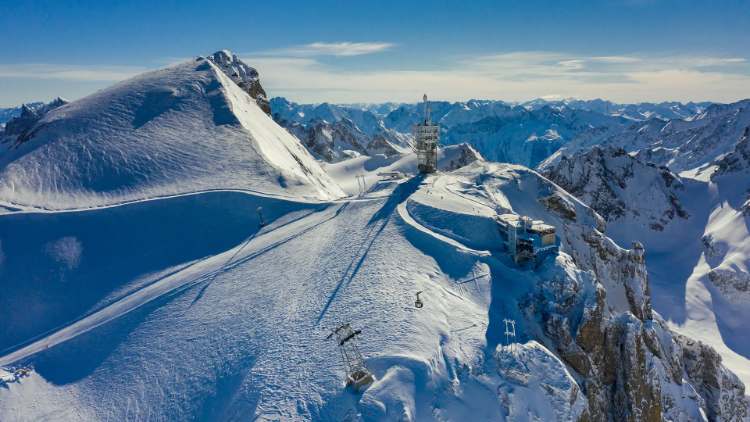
510, 76
615, 59
334, 49
515, 76
68, 72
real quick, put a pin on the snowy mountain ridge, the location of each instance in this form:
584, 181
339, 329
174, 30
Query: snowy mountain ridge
498, 130
333, 133
525, 133
615, 183
170, 253
12, 112
688, 145
181, 129
695, 229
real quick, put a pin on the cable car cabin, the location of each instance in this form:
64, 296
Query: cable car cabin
391, 175
526, 239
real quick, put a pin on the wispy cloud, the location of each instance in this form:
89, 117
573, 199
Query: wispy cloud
515, 76
615, 59
520, 75
333, 49
69, 72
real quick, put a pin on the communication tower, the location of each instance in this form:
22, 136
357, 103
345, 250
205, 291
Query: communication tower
427, 136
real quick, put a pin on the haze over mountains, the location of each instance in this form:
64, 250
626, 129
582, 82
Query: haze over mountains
178, 247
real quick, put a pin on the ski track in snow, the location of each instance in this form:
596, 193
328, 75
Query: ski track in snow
171, 283
312, 292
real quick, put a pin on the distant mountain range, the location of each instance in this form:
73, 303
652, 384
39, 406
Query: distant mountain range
11, 112
169, 252
524, 133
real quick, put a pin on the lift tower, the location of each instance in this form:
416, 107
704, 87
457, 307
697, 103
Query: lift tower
357, 374
427, 137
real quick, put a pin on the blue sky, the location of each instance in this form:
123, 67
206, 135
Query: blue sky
355, 51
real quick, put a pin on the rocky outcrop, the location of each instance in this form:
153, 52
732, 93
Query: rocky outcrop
594, 311
737, 160
22, 128
631, 367
721, 390
619, 186
244, 76
457, 156
734, 284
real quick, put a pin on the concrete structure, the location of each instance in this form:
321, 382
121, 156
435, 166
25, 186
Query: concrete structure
527, 239
427, 136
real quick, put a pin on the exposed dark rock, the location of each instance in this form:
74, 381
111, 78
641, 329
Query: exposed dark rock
244, 76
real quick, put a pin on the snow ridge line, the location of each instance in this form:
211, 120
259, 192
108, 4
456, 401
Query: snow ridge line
231, 258
29, 209
409, 220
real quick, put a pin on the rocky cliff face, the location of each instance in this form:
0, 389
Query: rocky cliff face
619, 186
598, 318
594, 349
457, 156
244, 76
592, 308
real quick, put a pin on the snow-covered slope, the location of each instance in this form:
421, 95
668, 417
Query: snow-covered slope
205, 256
208, 331
695, 232
372, 169
186, 128
621, 188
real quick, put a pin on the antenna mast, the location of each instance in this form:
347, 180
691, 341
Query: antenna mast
426, 110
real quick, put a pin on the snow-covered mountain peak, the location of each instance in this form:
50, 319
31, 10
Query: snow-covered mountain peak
189, 127
620, 186
682, 144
